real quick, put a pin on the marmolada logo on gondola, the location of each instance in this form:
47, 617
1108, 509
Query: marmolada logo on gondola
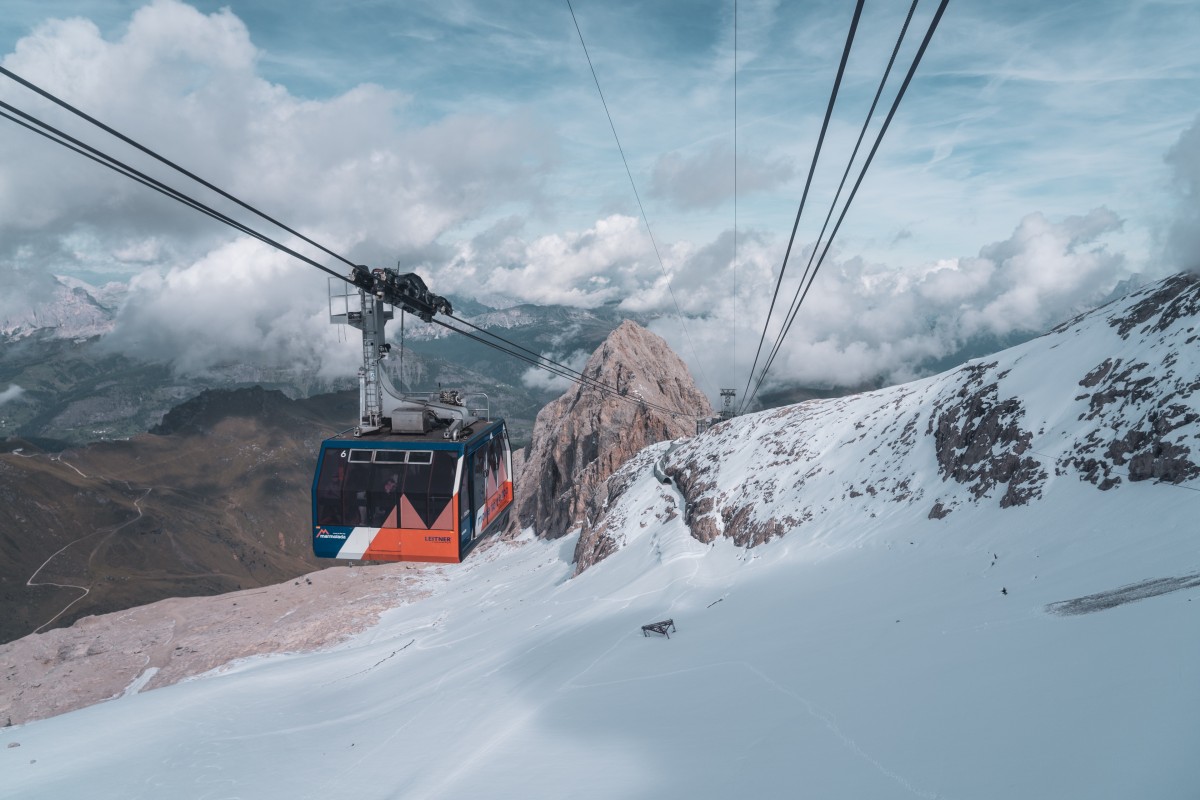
325, 533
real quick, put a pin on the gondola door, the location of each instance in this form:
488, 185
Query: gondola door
479, 495
466, 509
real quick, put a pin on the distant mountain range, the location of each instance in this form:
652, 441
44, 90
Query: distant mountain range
70, 389
60, 385
75, 310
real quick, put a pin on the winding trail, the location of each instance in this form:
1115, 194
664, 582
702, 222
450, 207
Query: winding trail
59, 459
85, 589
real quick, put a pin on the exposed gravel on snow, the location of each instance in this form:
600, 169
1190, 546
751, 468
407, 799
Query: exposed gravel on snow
1102, 601
106, 656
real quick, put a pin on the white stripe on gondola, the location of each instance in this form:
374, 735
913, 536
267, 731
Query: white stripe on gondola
357, 542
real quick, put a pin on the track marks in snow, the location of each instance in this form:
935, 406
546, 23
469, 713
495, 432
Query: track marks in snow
825, 718
831, 723
1102, 601
377, 663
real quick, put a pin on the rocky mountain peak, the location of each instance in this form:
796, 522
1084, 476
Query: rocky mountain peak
72, 309
581, 438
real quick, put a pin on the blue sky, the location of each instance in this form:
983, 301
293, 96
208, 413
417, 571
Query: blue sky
467, 140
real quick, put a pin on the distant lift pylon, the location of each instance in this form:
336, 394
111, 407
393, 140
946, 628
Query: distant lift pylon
423, 477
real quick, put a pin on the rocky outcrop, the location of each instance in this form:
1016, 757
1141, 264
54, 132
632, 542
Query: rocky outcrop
583, 437
603, 530
979, 440
1141, 407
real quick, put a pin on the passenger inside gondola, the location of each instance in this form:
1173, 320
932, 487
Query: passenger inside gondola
386, 500
493, 463
329, 495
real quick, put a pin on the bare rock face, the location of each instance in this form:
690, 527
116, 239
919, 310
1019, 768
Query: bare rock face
1143, 407
979, 440
585, 436
603, 528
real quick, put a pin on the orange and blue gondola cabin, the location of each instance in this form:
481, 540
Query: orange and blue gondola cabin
411, 497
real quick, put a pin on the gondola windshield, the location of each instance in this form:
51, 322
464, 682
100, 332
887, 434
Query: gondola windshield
387, 488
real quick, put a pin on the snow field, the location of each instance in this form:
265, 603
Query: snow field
870, 652
877, 669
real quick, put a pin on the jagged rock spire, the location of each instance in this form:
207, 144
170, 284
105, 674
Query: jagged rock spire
587, 434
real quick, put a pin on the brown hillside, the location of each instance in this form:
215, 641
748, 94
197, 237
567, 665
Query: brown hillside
217, 501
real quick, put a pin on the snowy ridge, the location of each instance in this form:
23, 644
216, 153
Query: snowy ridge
1107, 398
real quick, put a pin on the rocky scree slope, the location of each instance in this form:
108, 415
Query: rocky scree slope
581, 438
1105, 398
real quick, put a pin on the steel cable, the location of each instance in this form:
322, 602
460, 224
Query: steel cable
71, 143
60, 137
849, 164
628, 172
64, 104
807, 185
858, 182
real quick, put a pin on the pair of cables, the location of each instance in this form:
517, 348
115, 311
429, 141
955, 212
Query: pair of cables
813, 267
60, 137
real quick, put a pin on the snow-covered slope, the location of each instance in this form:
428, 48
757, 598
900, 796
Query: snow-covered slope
1040, 647
75, 310
1108, 398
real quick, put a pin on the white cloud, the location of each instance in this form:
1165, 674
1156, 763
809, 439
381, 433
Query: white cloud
1184, 235
608, 261
537, 378
705, 179
241, 304
410, 169
351, 170
863, 322
13, 392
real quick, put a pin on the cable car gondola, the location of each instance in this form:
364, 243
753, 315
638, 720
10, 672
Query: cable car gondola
423, 477
411, 496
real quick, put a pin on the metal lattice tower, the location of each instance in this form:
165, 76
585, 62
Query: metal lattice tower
727, 411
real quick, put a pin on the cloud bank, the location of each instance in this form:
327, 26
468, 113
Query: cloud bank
1183, 239
239, 304
350, 170
862, 322
13, 392
454, 195
865, 322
